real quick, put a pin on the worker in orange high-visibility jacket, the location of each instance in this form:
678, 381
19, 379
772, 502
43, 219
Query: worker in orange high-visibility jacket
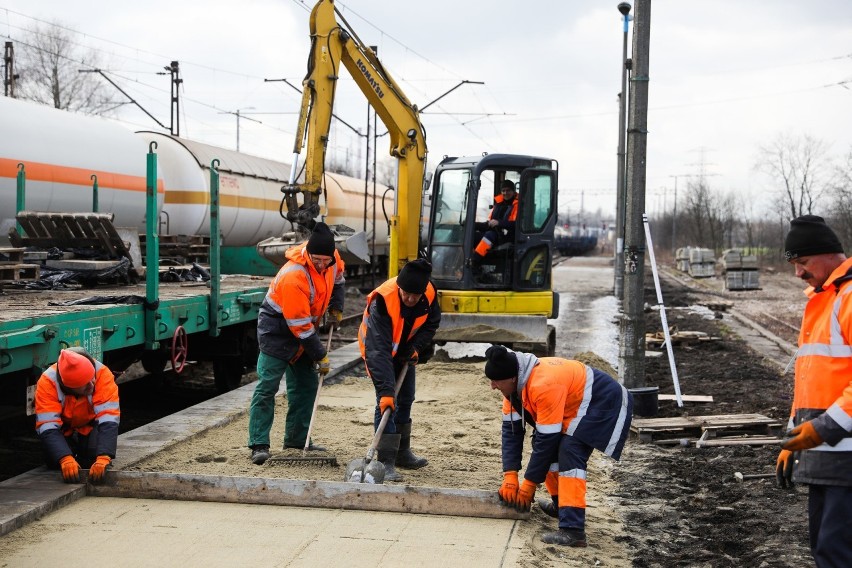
819, 451
573, 409
310, 283
500, 225
399, 323
77, 415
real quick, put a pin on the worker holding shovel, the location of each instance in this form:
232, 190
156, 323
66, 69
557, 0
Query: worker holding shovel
573, 410
400, 320
310, 283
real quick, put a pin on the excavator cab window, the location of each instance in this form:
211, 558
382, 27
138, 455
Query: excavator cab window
534, 230
450, 215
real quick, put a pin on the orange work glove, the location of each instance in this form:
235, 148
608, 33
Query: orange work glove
508, 491
525, 495
98, 469
804, 437
784, 469
386, 402
70, 469
335, 316
413, 358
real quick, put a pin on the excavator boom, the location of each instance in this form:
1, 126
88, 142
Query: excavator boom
331, 45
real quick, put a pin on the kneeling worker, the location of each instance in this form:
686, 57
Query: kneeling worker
77, 415
573, 409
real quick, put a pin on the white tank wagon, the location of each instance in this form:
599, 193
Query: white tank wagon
62, 150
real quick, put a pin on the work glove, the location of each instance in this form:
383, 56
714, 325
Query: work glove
804, 437
508, 491
386, 402
98, 469
70, 469
525, 495
335, 316
784, 469
413, 358
323, 366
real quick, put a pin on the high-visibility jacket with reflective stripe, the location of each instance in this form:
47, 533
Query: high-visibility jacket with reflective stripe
60, 414
297, 298
380, 336
563, 397
505, 213
823, 386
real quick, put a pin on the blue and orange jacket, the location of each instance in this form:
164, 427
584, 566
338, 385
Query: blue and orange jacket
297, 298
59, 413
563, 398
381, 335
504, 213
823, 386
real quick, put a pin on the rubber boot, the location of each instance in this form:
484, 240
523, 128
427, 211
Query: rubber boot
387, 450
406, 458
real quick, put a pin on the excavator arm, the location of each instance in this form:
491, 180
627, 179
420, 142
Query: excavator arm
332, 44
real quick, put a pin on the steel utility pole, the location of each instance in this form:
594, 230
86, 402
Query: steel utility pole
631, 356
618, 269
9, 76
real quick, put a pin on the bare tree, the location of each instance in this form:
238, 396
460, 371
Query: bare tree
842, 200
801, 167
50, 64
703, 215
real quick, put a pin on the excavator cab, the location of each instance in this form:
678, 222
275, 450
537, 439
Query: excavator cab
504, 296
463, 192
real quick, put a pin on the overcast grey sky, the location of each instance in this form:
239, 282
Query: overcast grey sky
725, 77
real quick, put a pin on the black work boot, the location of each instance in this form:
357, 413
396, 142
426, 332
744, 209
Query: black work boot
259, 454
387, 451
406, 458
549, 507
565, 537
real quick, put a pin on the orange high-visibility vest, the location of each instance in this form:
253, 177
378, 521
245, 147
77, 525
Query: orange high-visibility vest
390, 292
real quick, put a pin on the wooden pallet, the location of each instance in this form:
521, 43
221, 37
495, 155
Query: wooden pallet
19, 272
69, 230
678, 338
704, 427
11, 255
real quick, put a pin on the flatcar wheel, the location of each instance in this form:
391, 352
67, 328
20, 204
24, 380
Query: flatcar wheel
180, 347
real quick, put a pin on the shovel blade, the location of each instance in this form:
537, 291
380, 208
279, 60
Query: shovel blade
360, 472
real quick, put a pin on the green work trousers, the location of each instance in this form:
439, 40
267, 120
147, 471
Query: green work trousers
302, 383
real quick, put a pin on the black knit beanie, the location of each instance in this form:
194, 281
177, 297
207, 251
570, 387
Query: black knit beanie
810, 235
500, 363
414, 276
321, 241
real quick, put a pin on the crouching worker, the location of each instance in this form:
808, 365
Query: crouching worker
77, 415
573, 410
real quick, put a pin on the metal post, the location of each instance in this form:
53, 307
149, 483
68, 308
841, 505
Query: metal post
95, 204
618, 291
215, 268
152, 252
238, 135
21, 201
632, 341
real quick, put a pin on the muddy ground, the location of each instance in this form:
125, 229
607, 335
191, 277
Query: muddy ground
660, 506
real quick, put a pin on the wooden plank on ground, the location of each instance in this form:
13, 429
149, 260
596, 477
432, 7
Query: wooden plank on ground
687, 397
304, 493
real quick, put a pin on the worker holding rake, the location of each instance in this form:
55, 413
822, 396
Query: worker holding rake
310, 283
573, 409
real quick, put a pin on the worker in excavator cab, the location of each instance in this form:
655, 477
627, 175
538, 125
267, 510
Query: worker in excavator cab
77, 415
310, 283
400, 320
818, 451
500, 226
572, 409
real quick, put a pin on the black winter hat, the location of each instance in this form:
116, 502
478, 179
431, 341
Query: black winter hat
810, 235
500, 363
414, 276
321, 241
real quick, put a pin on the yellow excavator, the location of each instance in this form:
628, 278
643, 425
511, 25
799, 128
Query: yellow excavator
504, 297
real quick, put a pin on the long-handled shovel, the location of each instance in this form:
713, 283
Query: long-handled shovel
304, 458
366, 469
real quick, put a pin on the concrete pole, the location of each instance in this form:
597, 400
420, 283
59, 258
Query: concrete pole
618, 288
632, 342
